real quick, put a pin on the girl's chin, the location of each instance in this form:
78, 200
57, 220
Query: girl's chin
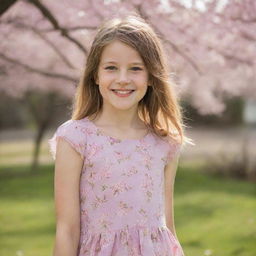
127, 106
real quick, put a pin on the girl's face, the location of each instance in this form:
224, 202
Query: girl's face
122, 76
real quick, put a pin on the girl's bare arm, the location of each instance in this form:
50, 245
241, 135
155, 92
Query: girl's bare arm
170, 173
68, 166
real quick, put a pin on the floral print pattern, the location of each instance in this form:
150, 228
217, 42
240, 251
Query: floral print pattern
121, 191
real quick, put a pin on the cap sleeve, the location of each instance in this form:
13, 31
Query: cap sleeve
174, 149
71, 131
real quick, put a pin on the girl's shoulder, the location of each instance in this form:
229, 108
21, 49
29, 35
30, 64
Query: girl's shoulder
72, 131
72, 124
74, 127
174, 145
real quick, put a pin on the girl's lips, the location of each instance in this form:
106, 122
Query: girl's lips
122, 93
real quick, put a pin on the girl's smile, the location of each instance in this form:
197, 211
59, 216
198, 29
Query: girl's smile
123, 93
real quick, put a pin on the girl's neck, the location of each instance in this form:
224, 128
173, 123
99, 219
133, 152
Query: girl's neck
122, 120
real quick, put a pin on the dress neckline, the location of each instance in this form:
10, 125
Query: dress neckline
102, 133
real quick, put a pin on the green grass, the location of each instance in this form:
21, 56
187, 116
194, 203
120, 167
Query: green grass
213, 216
27, 212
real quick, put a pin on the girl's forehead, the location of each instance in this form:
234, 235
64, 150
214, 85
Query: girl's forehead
118, 51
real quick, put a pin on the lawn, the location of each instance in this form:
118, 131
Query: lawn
214, 216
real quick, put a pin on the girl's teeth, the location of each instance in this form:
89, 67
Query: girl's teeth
123, 92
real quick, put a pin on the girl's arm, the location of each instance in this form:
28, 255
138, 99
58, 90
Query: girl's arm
68, 165
170, 173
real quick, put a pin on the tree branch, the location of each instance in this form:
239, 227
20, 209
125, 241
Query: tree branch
50, 17
58, 52
40, 34
5, 5
36, 70
75, 28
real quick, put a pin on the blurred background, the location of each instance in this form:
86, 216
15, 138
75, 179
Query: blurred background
211, 49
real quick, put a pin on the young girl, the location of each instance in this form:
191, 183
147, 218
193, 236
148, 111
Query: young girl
116, 159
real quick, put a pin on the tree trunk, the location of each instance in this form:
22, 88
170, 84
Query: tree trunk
42, 109
37, 145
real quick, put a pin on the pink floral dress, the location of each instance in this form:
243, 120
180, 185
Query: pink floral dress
121, 191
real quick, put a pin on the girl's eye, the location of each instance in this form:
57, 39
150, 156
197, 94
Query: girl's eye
136, 68
133, 68
110, 67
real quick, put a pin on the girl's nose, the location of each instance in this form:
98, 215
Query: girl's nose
123, 77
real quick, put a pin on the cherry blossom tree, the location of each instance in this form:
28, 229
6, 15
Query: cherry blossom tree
210, 45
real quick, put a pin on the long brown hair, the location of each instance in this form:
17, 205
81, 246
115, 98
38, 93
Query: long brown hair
159, 108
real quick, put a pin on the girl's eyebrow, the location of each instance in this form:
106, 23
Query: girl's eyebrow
133, 63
